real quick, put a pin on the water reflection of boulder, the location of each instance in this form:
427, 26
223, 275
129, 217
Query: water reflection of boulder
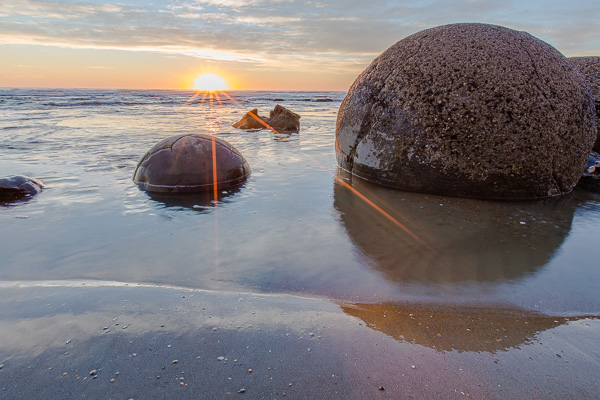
200, 201
449, 240
455, 329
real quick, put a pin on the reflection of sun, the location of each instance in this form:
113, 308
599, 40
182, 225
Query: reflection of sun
210, 83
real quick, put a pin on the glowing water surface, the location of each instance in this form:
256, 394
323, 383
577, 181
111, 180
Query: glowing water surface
293, 227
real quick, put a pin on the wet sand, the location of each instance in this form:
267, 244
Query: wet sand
156, 342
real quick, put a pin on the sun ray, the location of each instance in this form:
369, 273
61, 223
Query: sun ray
203, 98
356, 192
218, 98
412, 233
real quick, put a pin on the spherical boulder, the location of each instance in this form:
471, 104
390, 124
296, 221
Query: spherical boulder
470, 110
187, 163
590, 68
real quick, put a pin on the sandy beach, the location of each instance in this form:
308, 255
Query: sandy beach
117, 341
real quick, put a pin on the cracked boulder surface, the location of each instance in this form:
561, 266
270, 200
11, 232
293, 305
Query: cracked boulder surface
184, 163
590, 68
469, 110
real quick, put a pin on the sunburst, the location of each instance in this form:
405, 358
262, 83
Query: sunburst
210, 83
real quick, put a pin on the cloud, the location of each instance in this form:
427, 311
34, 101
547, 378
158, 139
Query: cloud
305, 35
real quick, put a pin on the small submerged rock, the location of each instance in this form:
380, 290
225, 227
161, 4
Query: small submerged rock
19, 187
590, 180
280, 119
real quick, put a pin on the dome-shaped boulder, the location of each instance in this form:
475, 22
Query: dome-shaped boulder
469, 110
18, 187
590, 68
185, 163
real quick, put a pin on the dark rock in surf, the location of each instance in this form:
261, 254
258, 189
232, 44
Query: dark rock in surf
470, 110
251, 120
18, 187
590, 180
590, 68
284, 120
280, 119
186, 163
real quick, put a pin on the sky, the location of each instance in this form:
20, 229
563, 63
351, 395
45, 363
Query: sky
252, 44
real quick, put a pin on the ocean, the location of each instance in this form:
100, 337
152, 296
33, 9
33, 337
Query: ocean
292, 228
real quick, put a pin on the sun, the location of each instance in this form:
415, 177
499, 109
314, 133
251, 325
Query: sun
210, 83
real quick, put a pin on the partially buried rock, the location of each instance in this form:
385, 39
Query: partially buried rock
280, 119
590, 68
19, 187
470, 110
186, 163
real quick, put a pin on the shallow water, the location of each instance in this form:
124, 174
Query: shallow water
293, 227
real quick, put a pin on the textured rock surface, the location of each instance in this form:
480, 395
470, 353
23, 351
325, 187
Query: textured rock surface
184, 163
281, 119
251, 120
590, 67
18, 187
469, 110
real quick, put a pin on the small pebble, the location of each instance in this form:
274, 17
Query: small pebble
64, 374
221, 358
381, 388
181, 383
112, 380
242, 390
250, 370
175, 361
413, 367
93, 372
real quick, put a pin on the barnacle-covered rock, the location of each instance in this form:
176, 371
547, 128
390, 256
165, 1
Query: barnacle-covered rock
471, 110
